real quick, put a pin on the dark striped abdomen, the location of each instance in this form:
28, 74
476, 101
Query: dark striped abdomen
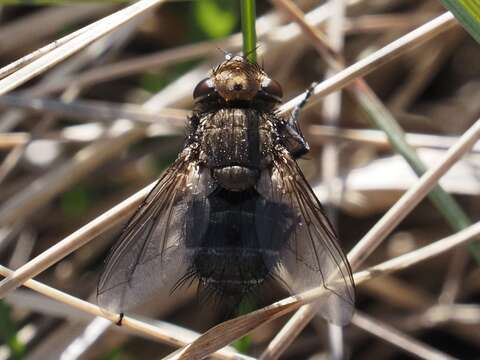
235, 239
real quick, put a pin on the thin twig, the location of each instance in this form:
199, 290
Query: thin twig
163, 335
11, 140
412, 197
378, 138
44, 188
267, 30
397, 338
376, 59
98, 110
56, 55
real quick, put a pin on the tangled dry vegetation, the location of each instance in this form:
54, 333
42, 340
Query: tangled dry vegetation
78, 140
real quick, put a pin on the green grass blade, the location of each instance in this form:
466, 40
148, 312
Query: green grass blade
467, 13
248, 30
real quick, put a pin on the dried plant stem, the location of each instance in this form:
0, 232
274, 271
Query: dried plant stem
97, 110
380, 139
102, 28
404, 261
134, 325
72, 242
412, 197
378, 58
397, 338
330, 157
381, 117
16, 65
11, 140
44, 188
8, 164
141, 63
382, 22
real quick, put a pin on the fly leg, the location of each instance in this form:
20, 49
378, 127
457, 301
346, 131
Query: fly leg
120, 319
293, 120
293, 129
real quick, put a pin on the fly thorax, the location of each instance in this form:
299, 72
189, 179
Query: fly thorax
231, 138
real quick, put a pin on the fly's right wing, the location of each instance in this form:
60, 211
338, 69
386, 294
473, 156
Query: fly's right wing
311, 256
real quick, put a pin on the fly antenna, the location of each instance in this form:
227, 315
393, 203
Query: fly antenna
228, 55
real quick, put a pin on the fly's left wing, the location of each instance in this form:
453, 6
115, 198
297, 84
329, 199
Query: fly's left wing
311, 256
150, 255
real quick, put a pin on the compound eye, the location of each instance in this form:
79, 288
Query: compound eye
273, 89
203, 88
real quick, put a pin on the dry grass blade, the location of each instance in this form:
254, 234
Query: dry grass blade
163, 58
220, 336
72, 242
139, 64
230, 330
102, 28
96, 110
397, 338
44, 188
412, 197
62, 15
11, 140
378, 138
378, 58
382, 22
470, 233
136, 326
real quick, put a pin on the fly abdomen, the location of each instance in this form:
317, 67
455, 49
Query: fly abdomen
239, 245
232, 271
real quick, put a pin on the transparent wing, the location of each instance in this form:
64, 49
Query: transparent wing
312, 256
150, 254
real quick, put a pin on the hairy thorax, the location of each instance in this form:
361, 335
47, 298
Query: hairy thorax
236, 144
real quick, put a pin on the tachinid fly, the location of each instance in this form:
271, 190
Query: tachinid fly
234, 210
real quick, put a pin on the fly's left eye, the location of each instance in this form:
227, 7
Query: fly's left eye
203, 88
273, 89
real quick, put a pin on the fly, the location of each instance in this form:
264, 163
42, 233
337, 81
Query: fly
234, 210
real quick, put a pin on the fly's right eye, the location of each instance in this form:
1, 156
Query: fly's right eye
203, 89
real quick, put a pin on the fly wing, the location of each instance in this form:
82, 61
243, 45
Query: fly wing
150, 254
311, 256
